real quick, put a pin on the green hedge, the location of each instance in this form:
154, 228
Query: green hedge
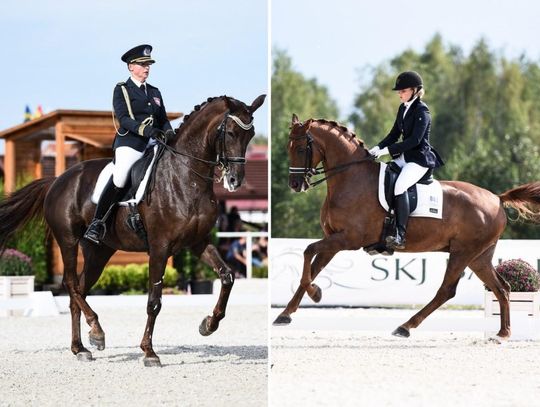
260, 272
132, 278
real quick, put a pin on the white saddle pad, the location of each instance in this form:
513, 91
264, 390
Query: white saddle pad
430, 198
105, 175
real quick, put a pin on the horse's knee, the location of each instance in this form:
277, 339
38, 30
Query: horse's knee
153, 307
448, 292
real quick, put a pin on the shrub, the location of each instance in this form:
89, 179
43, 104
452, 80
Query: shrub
15, 263
131, 278
520, 275
260, 272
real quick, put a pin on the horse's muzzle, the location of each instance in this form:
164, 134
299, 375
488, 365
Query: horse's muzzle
233, 180
297, 183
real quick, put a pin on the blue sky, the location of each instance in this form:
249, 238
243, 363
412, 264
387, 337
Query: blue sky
66, 54
337, 41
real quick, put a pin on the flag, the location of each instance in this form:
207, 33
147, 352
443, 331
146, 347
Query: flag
39, 113
27, 114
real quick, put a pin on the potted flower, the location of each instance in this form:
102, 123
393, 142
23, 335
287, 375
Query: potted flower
16, 274
524, 283
193, 273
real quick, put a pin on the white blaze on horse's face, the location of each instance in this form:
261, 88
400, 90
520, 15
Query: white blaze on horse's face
237, 136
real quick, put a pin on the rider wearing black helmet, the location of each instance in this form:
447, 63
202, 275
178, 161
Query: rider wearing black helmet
413, 154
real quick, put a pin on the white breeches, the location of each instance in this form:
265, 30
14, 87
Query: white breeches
124, 158
410, 175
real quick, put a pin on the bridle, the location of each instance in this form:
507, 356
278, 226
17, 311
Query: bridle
308, 170
222, 160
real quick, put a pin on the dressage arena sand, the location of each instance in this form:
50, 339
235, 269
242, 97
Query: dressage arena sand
349, 358
227, 368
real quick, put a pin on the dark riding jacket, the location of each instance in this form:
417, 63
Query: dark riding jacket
142, 107
415, 129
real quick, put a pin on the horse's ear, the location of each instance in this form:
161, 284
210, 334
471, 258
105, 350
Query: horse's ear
232, 104
307, 124
294, 119
257, 103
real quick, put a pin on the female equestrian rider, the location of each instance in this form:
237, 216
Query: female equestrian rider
141, 113
413, 154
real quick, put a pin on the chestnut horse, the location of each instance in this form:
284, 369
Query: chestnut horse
180, 214
351, 217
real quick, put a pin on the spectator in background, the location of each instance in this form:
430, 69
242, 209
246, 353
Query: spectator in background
260, 253
236, 257
234, 223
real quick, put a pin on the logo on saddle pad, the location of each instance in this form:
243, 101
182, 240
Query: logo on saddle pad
429, 197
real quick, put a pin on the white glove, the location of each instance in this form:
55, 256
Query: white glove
379, 153
374, 150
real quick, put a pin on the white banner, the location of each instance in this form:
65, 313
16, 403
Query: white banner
354, 278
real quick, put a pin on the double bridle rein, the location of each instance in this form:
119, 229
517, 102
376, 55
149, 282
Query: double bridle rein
308, 170
223, 161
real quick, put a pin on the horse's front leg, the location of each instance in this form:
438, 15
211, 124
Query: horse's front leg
210, 255
157, 264
331, 244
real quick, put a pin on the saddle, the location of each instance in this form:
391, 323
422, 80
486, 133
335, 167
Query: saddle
138, 187
391, 174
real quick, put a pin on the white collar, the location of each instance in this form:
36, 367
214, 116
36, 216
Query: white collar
136, 82
409, 103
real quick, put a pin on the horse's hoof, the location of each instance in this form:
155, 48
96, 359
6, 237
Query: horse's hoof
152, 362
84, 357
204, 329
401, 332
282, 320
99, 343
315, 293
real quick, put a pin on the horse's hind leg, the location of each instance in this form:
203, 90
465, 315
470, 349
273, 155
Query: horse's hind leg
483, 268
320, 262
456, 264
95, 259
211, 256
77, 302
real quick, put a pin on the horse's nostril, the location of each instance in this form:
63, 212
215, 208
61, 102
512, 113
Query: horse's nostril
233, 180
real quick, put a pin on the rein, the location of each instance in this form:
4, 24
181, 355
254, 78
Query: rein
223, 160
309, 171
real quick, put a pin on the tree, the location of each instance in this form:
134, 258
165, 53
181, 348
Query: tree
486, 121
294, 215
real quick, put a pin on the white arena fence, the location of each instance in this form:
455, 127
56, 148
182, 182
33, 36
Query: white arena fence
354, 278
249, 245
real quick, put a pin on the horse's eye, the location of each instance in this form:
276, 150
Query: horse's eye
230, 133
301, 150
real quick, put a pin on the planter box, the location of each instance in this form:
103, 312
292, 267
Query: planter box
524, 313
15, 287
201, 287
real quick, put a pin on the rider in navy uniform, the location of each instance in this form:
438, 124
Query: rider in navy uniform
413, 154
141, 113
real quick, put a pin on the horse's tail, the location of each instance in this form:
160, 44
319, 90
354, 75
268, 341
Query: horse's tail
525, 199
22, 206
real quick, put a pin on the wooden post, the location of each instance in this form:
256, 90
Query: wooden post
60, 141
9, 167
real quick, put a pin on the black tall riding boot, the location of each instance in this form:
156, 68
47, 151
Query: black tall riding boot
110, 195
401, 206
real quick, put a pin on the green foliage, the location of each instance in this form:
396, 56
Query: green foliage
131, 278
486, 119
192, 268
260, 272
15, 263
292, 93
31, 240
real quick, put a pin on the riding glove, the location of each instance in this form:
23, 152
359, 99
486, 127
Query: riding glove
379, 153
374, 150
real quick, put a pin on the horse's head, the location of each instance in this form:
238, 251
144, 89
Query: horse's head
234, 134
303, 155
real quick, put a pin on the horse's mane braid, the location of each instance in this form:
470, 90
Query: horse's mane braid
341, 127
196, 108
